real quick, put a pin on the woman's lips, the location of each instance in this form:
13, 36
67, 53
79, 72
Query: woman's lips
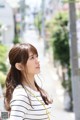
38, 67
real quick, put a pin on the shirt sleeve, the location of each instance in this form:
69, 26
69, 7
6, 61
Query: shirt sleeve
19, 105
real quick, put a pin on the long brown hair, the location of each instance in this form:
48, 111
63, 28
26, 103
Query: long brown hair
19, 54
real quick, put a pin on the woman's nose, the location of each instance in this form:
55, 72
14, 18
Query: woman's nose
37, 59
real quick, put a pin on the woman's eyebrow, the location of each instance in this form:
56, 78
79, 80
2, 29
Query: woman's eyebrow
31, 55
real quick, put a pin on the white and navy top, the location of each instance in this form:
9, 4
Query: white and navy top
21, 108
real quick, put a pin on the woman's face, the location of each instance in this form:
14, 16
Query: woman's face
33, 65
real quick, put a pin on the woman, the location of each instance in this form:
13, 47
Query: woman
24, 99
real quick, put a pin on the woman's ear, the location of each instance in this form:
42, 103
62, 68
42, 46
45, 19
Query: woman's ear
19, 66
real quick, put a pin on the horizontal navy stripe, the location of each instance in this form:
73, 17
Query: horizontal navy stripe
18, 111
17, 116
19, 106
19, 100
13, 101
35, 119
38, 114
29, 97
39, 109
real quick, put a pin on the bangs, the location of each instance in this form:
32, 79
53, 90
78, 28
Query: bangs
33, 50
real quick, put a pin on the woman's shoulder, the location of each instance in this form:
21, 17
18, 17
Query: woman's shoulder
18, 87
19, 90
19, 94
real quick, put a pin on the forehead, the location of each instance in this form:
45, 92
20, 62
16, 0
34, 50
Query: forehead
32, 51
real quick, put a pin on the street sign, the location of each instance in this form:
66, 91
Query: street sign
4, 115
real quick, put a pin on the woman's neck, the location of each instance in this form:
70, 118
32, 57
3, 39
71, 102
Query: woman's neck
30, 82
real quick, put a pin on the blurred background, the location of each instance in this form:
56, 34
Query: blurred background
53, 27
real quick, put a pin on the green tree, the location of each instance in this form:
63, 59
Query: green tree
60, 45
16, 39
38, 22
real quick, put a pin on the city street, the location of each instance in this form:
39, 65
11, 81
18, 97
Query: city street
43, 23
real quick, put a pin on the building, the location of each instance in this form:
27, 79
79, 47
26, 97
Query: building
6, 23
51, 8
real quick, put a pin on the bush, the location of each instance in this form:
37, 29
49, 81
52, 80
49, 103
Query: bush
61, 45
2, 79
3, 57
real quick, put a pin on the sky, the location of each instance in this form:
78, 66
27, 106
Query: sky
32, 3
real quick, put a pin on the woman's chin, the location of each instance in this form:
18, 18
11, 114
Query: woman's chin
38, 71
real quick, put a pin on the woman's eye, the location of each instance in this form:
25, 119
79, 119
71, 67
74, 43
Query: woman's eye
32, 57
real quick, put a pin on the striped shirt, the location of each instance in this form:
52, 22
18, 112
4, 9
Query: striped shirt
21, 109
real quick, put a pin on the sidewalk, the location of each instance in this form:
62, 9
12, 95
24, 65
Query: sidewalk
52, 84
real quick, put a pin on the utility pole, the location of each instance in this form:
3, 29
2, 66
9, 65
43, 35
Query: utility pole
43, 24
22, 10
75, 75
